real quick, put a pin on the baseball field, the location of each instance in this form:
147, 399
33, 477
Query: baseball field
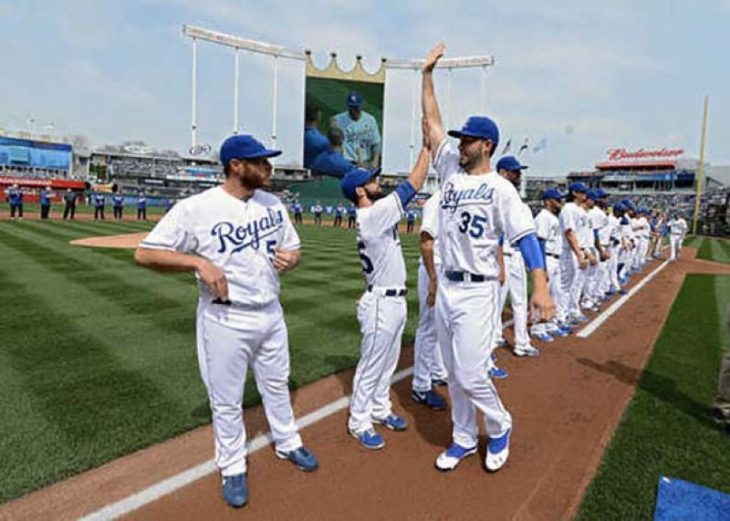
98, 361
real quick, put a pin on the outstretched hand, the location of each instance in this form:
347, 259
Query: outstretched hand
434, 55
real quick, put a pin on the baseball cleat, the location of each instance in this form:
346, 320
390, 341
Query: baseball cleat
498, 373
301, 457
543, 337
497, 452
235, 490
439, 382
562, 331
392, 422
501, 342
452, 456
527, 351
579, 319
369, 439
430, 399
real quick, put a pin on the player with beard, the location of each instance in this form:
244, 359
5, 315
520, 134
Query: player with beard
381, 310
237, 238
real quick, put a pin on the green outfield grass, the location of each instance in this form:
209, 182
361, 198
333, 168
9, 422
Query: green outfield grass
711, 248
34, 209
98, 356
667, 429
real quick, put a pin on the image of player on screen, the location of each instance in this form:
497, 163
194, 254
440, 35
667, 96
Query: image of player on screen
314, 142
362, 135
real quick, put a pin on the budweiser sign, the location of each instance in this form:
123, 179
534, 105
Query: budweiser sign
621, 154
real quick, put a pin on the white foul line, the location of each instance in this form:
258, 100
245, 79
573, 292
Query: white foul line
171, 484
600, 319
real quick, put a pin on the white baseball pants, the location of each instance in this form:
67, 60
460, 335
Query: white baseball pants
229, 341
427, 360
382, 321
572, 280
515, 284
467, 324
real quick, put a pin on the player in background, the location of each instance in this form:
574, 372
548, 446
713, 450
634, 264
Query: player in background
614, 248
547, 227
381, 310
118, 205
477, 207
45, 200
317, 211
428, 366
573, 259
677, 231
590, 244
297, 209
339, 211
237, 238
15, 198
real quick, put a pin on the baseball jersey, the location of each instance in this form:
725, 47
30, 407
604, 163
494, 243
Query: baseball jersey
642, 228
361, 136
45, 197
339, 209
614, 229
627, 232
677, 226
99, 200
142, 203
547, 226
430, 224
15, 196
239, 236
475, 211
599, 221
574, 217
317, 208
297, 208
378, 243
118, 200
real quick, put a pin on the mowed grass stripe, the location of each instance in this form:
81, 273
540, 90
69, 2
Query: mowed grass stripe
667, 429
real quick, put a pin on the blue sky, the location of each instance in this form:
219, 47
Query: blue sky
585, 77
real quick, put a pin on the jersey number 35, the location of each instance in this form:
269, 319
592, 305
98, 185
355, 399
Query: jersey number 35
473, 224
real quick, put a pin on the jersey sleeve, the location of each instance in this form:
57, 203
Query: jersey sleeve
515, 215
172, 233
542, 226
430, 221
568, 219
289, 236
446, 161
383, 215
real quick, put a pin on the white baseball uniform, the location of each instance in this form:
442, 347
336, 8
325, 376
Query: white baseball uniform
599, 223
381, 310
575, 218
238, 236
627, 235
677, 231
614, 237
643, 232
547, 226
515, 285
475, 211
428, 363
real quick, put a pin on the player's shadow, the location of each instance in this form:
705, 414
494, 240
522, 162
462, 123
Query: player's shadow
659, 386
434, 427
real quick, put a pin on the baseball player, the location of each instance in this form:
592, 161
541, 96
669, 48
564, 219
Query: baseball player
351, 216
15, 198
45, 198
428, 364
598, 221
297, 208
410, 220
547, 227
362, 136
382, 308
118, 205
515, 283
317, 211
677, 231
590, 244
99, 203
237, 238
614, 248
141, 207
643, 232
574, 258
477, 207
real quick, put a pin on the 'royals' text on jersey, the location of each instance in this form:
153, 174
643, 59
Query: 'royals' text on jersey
547, 226
239, 236
378, 243
475, 211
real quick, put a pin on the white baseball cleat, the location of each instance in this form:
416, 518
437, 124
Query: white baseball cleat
497, 452
452, 456
527, 350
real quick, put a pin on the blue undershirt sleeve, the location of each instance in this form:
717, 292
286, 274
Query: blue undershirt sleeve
541, 242
531, 252
405, 192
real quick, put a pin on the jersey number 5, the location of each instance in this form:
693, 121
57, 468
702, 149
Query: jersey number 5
367, 264
474, 224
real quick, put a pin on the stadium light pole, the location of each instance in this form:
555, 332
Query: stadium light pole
414, 95
274, 107
236, 125
194, 90
698, 177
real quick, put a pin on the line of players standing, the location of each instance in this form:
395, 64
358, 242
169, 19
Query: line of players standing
297, 209
15, 197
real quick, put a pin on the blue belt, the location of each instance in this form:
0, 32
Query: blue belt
392, 292
465, 276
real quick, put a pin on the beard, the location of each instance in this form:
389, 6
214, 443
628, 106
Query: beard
374, 195
468, 161
254, 180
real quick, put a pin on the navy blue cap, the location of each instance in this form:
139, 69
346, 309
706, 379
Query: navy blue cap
244, 147
577, 187
356, 178
480, 127
621, 207
593, 194
510, 163
552, 193
628, 204
601, 193
354, 99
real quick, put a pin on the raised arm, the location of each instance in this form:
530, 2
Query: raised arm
429, 105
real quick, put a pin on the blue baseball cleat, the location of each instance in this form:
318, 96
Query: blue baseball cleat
543, 337
392, 422
562, 332
430, 399
235, 490
301, 457
439, 382
369, 439
452, 456
497, 452
498, 373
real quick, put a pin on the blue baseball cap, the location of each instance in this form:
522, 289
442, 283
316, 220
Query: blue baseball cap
628, 204
354, 99
356, 178
593, 194
577, 187
510, 163
244, 147
480, 127
621, 207
552, 193
601, 193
